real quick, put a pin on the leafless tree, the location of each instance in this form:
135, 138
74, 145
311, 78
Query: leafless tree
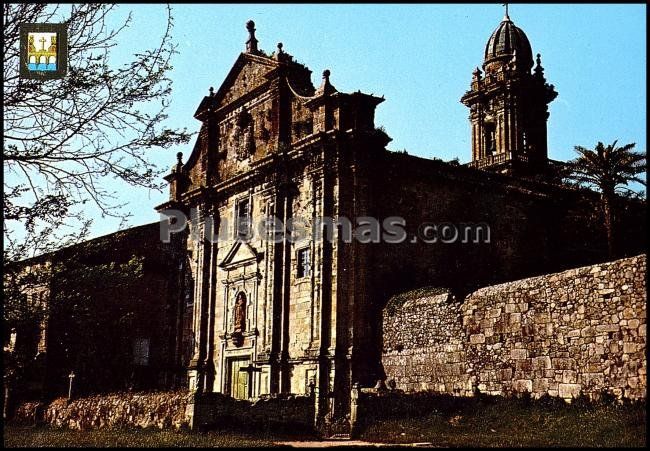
64, 138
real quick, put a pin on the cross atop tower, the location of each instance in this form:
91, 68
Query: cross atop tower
509, 106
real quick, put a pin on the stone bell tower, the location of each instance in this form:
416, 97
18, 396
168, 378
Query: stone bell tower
509, 105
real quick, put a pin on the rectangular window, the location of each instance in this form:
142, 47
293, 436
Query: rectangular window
304, 262
141, 351
243, 218
189, 288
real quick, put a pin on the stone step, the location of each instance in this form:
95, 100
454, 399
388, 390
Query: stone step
340, 437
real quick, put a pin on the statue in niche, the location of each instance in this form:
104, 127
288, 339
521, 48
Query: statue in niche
240, 313
242, 135
239, 319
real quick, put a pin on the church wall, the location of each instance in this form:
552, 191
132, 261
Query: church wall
301, 292
251, 76
304, 296
534, 228
578, 331
244, 274
237, 153
114, 329
302, 121
302, 346
424, 191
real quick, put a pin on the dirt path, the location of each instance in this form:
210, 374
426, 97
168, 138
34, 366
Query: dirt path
337, 443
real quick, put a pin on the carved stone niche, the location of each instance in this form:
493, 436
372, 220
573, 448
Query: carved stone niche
242, 137
239, 319
264, 133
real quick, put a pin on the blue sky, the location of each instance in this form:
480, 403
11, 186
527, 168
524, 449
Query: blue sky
420, 57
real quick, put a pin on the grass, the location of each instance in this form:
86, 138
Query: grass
440, 420
20, 436
500, 422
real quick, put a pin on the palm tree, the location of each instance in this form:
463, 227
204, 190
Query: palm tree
609, 169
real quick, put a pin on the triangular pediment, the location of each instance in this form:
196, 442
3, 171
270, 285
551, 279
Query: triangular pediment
241, 253
247, 73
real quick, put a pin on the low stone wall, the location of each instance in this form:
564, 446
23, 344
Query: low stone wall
424, 342
158, 410
288, 412
578, 331
166, 410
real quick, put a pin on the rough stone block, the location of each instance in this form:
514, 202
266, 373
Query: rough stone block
569, 377
569, 391
517, 354
563, 363
523, 385
477, 338
542, 363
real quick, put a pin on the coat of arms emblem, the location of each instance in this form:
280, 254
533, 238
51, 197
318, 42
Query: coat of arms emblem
43, 51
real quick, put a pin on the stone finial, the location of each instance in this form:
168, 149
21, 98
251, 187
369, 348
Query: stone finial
326, 87
211, 91
477, 74
280, 55
251, 44
179, 162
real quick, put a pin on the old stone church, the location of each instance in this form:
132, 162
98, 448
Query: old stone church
284, 316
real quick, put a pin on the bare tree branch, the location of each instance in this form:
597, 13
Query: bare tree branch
64, 137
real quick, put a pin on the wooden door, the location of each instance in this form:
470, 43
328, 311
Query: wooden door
239, 380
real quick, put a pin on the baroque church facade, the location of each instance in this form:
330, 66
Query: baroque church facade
271, 316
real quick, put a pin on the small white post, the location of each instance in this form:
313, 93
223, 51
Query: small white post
70, 376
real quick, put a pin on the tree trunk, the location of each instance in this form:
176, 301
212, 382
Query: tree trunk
608, 200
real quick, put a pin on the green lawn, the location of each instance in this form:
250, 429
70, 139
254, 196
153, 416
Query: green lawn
15, 436
439, 420
513, 423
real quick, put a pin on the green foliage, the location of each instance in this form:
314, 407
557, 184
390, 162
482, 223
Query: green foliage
607, 168
24, 310
487, 421
86, 304
90, 305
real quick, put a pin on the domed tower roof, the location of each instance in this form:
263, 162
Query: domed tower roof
503, 43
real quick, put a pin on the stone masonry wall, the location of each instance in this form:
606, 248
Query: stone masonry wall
286, 412
578, 331
424, 342
157, 409
165, 410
